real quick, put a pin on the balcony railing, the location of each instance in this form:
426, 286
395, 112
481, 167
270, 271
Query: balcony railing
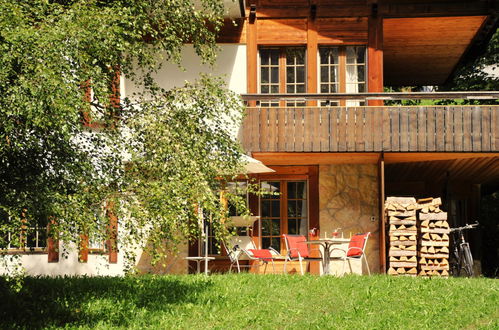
373, 129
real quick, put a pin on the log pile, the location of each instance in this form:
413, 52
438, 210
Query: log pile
401, 214
434, 238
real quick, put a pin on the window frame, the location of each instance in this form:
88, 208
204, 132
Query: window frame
284, 214
342, 71
282, 74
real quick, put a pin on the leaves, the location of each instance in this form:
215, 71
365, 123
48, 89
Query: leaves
58, 63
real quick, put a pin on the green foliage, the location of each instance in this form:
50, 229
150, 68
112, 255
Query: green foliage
252, 301
473, 76
53, 167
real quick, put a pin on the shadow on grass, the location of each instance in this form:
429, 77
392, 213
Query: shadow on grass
85, 301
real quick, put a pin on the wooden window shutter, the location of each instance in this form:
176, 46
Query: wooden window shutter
113, 234
52, 242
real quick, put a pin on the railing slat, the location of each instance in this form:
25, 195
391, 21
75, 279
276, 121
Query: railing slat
351, 123
299, 131
476, 124
281, 129
290, 129
272, 129
467, 144
458, 128
448, 126
334, 131
342, 130
254, 115
359, 129
485, 129
386, 130
395, 128
495, 129
404, 129
378, 130
413, 129
422, 133
369, 129
264, 130
439, 129
325, 126
430, 129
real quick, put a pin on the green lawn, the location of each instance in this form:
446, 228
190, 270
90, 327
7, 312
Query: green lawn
252, 301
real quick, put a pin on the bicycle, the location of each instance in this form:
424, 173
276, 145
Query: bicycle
461, 258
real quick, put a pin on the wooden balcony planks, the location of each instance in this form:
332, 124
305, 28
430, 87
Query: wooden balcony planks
372, 129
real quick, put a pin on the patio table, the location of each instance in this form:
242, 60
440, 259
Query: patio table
198, 260
326, 243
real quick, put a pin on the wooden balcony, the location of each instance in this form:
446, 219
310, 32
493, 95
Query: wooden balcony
372, 129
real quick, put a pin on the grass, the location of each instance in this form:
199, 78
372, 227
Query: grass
252, 301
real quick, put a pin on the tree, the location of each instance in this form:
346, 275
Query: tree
478, 73
156, 155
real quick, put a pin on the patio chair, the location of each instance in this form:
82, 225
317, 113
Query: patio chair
356, 251
298, 250
243, 248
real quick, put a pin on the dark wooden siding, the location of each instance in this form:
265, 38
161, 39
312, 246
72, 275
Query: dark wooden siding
372, 129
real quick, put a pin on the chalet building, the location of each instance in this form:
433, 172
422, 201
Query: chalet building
337, 155
312, 74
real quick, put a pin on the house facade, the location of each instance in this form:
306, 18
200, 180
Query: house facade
312, 74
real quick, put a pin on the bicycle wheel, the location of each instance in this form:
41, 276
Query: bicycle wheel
467, 259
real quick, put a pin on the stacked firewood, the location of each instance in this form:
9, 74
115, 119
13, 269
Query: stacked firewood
401, 213
434, 238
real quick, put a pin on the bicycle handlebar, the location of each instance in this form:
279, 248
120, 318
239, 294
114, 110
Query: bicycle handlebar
474, 225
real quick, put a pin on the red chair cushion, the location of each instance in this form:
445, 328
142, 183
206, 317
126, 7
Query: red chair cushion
357, 243
263, 254
296, 245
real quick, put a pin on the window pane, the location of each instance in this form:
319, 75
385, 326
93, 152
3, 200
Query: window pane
274, 89
264, 89
276, 208
290, 74
265, 208
361, 73
301, 189
276, 227
300, 89
276, 243
290, 89
42, 237
266, 242
351, 55
274, 57
292, 228
292, 190
264, 56
264, 75
352, 76
362, 88
334, 74
274, 78
301, 209
324, 88
300, 74
324, 74
266, 223
292, 209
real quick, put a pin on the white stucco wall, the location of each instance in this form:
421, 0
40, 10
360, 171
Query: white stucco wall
230, 65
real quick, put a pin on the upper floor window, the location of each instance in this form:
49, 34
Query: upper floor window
342, 70
282, 70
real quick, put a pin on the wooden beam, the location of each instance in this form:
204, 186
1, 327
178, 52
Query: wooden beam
382, 219
375, 57
313, 183
396, 8
311, 158
251, 58
312, 58
393, 158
